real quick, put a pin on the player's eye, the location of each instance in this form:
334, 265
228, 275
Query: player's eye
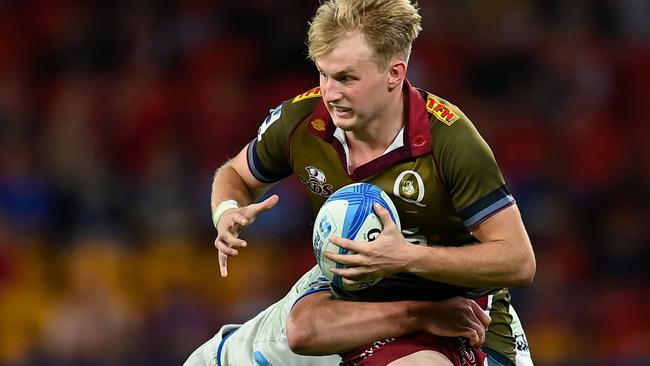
346, 79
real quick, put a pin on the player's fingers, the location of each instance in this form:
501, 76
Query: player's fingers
267, 204
350, 260
346, 244
384, 215
354, 273
481, 314
474, 338
231, 240
239, 219
360, 279
224, 248
349, 281
476, 331
223, 264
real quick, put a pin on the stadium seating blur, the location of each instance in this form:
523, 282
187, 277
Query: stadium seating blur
114, 115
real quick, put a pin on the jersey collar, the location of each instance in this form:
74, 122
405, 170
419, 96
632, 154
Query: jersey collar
416, 135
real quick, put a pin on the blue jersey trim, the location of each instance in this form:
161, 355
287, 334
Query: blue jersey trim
260, 360
257, 168
312, 291
223, 341
495, 358
487, 206
255, 164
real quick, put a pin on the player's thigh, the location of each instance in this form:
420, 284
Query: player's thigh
426, 357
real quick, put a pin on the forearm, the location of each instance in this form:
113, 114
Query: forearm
228, 185
234, 181
503, 257
339, 326
489, 264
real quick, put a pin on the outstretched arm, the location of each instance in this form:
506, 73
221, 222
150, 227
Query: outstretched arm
234, 188
318, 324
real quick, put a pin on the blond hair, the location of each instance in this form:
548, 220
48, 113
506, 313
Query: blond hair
388, 26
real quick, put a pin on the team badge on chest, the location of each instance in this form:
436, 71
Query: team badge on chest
409, 186
316, 181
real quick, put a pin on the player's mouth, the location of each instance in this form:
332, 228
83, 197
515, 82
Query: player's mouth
340, 111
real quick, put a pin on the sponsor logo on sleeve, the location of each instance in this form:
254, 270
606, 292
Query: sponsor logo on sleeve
443, 113
274, 115
309, 94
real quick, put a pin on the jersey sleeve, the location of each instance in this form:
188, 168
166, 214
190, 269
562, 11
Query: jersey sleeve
469, 170
313, 282
268, 153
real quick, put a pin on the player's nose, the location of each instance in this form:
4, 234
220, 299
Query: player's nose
330, 90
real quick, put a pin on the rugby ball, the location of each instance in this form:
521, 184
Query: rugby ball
349, 213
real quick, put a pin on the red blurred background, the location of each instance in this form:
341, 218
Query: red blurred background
114, 115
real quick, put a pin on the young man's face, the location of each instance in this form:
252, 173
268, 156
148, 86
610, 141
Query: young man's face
354, 89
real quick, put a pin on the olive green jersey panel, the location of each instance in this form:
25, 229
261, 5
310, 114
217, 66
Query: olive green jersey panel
500, 335
269, 155
466, 164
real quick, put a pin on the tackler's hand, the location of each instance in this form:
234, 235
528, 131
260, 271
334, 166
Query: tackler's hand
369, 260
456, 317
231, 222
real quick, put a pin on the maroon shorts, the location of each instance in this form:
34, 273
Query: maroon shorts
381, 353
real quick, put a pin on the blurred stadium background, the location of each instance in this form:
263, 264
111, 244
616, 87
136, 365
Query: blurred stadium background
114, 115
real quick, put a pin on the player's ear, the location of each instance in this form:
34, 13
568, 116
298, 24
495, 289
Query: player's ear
396, 73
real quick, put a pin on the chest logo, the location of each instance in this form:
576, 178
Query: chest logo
316, 181
318, 124
409, 186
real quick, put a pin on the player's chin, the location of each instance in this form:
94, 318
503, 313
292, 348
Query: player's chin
346, 124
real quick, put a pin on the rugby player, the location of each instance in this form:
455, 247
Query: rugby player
367, 123
263, 340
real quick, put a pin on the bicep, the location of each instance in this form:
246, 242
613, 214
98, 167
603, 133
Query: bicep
505, 225
240, 164
506, 230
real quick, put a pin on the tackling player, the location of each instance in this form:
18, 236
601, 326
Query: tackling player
263, 340
367, 123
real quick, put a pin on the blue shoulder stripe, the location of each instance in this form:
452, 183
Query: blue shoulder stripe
487, 206
260, 172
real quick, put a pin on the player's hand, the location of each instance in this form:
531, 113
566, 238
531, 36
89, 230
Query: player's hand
230, 225
381, 258
456, 317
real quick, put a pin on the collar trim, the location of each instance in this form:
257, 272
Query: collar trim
415, 135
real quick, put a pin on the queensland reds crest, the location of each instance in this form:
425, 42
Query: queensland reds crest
316, 181
409, 186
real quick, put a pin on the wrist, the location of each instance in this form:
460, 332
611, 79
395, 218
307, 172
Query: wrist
221, 208
410, 256
416, 311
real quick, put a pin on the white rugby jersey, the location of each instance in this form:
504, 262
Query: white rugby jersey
262, 340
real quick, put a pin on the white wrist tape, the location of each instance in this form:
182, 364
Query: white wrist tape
223, 206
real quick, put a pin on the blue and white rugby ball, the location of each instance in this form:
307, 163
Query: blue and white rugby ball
349, 213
